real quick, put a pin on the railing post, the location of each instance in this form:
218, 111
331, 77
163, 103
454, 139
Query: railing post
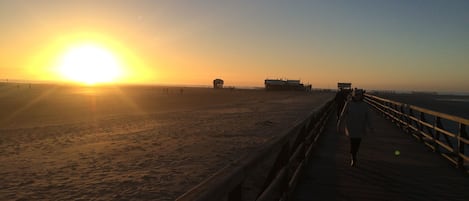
422, 119
383, 107
436, 136
401, 109
406, 111
410, 120
396, 109
388, 105
461, 134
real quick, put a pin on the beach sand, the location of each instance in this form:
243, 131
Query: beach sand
134, 142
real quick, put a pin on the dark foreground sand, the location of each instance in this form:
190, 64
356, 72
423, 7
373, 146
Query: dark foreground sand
131, 143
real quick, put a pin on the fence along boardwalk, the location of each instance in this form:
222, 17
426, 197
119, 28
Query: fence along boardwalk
416, 174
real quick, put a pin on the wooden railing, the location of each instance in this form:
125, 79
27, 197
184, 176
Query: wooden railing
443, 133
269, 173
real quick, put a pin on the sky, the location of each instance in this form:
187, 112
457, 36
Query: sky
386, 45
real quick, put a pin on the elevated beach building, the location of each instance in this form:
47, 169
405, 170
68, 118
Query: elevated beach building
280, 84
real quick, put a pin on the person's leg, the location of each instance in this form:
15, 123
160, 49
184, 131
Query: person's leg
354, 145
352, 151
338, 111
340, 107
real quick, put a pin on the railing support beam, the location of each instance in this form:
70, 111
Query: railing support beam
461, 146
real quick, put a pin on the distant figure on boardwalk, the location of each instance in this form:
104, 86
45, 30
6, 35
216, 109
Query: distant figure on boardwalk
356, 117
340, 99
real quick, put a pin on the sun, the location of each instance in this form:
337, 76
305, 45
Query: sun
89, 64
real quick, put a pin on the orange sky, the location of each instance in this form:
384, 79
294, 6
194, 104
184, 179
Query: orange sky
392, 46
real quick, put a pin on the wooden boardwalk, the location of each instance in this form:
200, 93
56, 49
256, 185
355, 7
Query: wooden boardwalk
416, 174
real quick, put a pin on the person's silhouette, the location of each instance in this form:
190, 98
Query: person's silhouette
340, 99
356, 117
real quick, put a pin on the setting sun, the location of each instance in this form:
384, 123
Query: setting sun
89, 64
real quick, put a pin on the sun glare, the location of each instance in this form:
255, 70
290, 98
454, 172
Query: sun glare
89, 64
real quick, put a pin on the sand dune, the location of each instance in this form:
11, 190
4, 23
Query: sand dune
131, 143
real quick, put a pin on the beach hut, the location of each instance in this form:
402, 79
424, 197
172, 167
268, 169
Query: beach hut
218, 83
344, 85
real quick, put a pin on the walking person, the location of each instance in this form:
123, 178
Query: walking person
340, 99
356, 118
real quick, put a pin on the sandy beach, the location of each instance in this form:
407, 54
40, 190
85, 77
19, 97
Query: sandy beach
134, 142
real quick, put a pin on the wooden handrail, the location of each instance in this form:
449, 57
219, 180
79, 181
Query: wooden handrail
442, 115
290, 151
424, 110
403, 115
